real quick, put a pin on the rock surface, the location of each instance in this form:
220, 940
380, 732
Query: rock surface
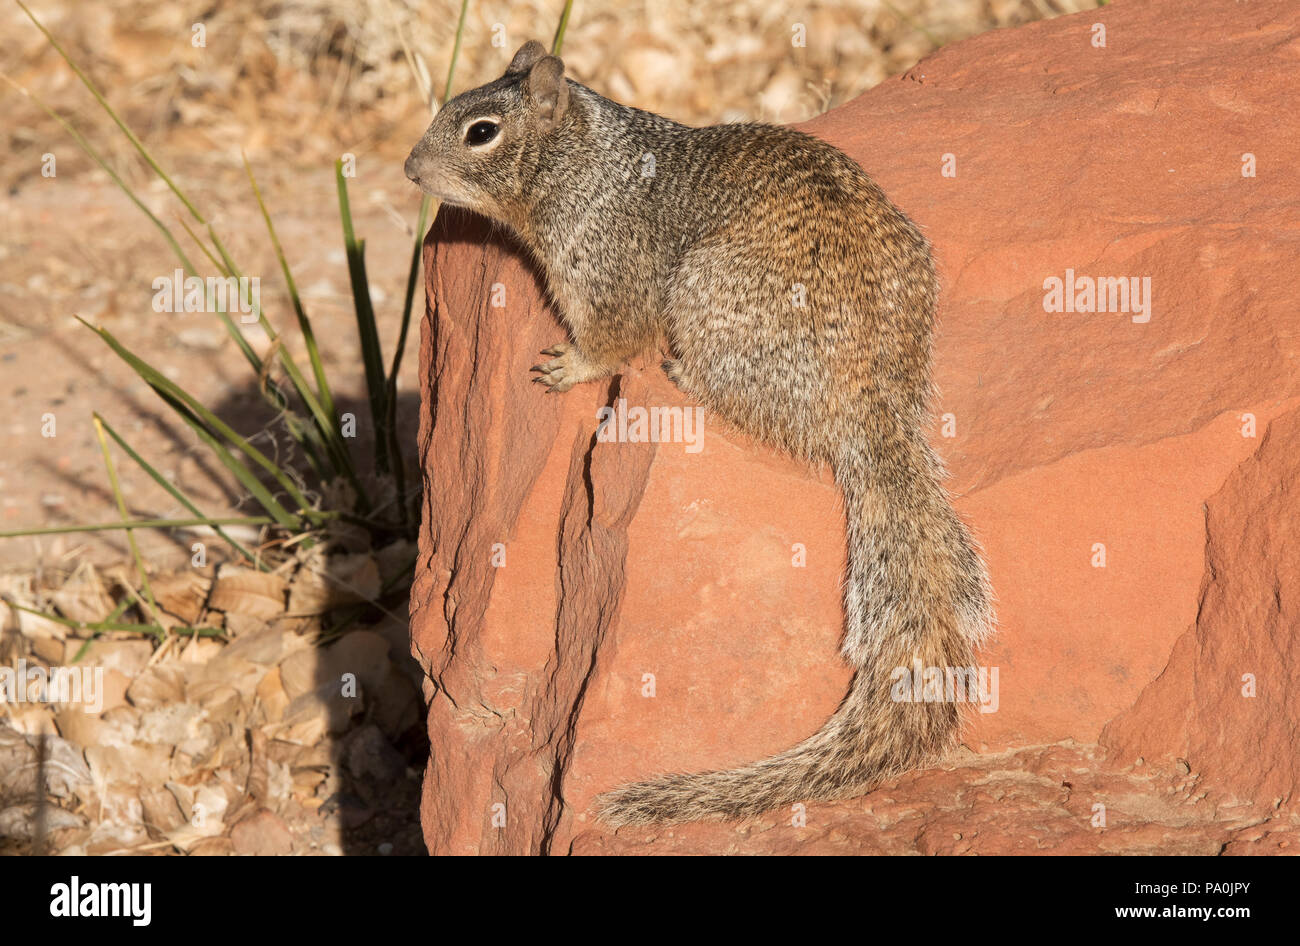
591, 613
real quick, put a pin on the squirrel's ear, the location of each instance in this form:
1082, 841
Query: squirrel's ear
528, 54
547, 91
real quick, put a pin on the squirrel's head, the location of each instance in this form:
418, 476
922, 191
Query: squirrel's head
475, 151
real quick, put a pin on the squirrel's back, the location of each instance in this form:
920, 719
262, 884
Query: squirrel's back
735, 220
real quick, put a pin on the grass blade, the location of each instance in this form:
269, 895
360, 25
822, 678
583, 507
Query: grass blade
324, 394
232, 463
176, 494
412, 280
113, 175
203, 421
276, 396
97, 628
126, 516
371, 354
103, 102
143, 524
301, 433
455, 50
153, 629
323, 440
558, 43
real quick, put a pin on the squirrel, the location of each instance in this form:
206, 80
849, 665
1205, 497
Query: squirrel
798, 304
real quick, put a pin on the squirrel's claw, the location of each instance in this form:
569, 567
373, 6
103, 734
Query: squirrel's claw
567, 368
552, 377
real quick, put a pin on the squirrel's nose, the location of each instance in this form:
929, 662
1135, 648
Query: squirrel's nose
411, 168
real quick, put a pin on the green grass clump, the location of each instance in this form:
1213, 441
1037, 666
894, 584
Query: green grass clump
305, 405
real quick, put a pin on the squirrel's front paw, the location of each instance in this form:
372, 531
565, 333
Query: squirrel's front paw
563, 371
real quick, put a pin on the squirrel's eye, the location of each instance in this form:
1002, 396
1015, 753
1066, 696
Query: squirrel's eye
480, 133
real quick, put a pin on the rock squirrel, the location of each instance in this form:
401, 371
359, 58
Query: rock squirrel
798, 304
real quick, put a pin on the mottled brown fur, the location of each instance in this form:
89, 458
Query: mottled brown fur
798, 303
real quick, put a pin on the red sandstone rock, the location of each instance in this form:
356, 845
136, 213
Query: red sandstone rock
1228, 702
1072, 429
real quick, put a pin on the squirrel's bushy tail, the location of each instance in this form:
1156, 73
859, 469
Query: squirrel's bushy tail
916, 591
